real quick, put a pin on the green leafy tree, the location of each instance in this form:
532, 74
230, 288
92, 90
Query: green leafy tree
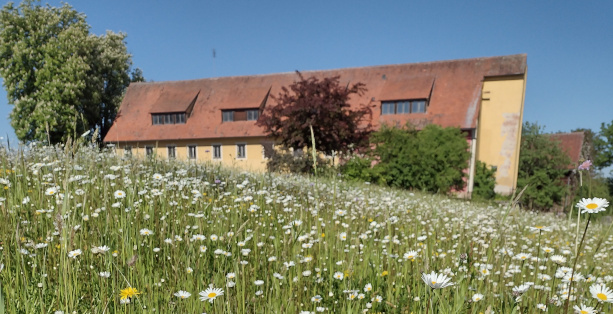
433, 159
61, 79
485, 181
324, 104
603, 146
542, 166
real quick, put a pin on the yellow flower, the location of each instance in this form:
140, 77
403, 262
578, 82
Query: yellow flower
128, 292
323, 235
384, 273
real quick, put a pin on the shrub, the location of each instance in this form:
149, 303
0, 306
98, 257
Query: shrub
360, 169
285, 161
542, 165
433, 159
485, 181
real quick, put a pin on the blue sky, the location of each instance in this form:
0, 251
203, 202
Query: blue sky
568, 43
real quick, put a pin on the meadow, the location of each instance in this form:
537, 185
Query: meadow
84, 231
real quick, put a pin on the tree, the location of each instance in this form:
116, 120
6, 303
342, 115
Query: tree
324, 105
542, 165
433, 159
61, 79
485, 181
603, 146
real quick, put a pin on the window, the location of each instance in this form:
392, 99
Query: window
252, 115
403, 106
217, 151
191, 150
241, 151
388, 108
157, 119
127, 151
418, 106
172, 152
149, 151
168, 118
227, 116
179, 118
298, 152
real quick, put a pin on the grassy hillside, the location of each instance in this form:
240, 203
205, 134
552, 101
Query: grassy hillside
85, 231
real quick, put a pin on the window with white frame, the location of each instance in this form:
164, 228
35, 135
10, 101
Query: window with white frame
241, 151
403, 106
127, 151
216, 151
172, 152
149, 151
252, 114
191, 151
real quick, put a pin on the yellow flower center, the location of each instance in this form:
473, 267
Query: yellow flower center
591, 206
484, 271
539, 227
433, 282
602, 296
584, 312
212, 295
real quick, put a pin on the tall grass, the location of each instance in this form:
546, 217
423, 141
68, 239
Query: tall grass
299, 238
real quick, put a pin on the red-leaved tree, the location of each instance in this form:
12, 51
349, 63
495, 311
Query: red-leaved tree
323, 104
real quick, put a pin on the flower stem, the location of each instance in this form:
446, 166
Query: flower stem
572, 279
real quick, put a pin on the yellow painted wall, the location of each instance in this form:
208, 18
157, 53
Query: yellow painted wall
499, 128
254, 160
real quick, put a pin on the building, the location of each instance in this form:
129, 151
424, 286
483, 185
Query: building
214, 119
578, 150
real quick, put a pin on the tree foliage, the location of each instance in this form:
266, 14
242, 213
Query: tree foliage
485, 181
324, 104
60, 78
542, 166
603, 146
433, 159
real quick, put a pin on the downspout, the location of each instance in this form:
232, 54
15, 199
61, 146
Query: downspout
473, 159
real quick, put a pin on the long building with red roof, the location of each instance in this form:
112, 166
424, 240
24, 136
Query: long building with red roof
214, 119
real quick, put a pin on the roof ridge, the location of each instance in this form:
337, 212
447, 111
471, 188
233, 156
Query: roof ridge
523, 55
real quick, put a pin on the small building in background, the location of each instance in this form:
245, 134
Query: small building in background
214, 119
578, 150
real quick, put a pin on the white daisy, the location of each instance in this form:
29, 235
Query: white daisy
436, 281
602, 293
592, 205
146, 232
210, 294
182, 294
120, 194
584, 309
74, 253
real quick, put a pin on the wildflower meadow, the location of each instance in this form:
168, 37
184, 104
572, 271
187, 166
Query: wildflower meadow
84, 231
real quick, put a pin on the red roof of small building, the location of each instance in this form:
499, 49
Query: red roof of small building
453, 89
571, 143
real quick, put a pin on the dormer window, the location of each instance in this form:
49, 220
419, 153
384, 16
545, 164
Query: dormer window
168, 118
251, 114
403, 106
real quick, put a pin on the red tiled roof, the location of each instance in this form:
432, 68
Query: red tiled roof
453, 88
571, 143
